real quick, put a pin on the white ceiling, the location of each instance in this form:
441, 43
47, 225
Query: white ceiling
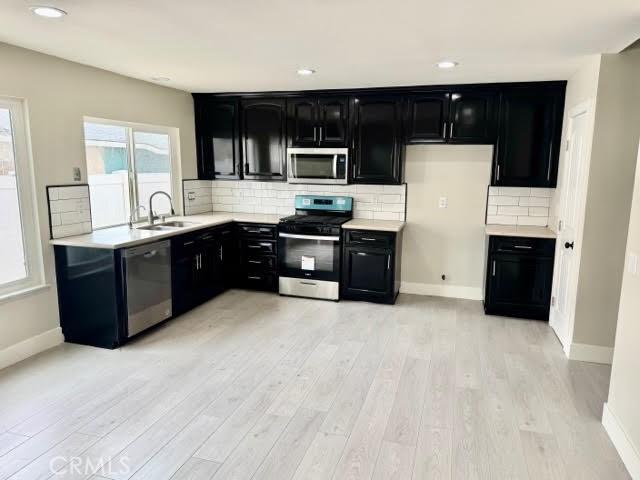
253, 45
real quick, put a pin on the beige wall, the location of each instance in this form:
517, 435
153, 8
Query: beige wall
624, 389
448, 241
610, 186
58, 94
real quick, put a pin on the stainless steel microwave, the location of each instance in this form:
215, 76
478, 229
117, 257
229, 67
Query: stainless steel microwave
318, 165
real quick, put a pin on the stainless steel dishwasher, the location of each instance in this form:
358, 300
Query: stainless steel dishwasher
147, 273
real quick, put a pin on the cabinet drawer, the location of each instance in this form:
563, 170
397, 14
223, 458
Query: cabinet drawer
544, 247
259, 281
255, 263
256, 247
249, 230
370, 238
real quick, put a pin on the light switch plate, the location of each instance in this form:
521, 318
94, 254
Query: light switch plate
77, 175
443, 202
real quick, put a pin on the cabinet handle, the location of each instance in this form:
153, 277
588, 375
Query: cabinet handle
320, 136
549, 166
444, 130
315, 134
361, 253
523, 247
493, 272
255, 261
264, 244
188, 243
388, 262
252, 277
221, 253
451, 130
368, 239
254, 246
497, 172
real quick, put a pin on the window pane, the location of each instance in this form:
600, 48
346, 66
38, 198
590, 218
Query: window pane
12, 254
108, 172
153, 169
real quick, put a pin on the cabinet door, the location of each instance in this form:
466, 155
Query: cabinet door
217, 138
520, 283
303, 122
264, 138
368, 272
472, 118
378, 142
426, 118
333, 121
227, 257
185, 274
527, 150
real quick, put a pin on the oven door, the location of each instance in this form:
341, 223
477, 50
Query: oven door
318, 165
315, 257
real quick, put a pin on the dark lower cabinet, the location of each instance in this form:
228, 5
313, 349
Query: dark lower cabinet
371, 266
201, 266
519, 277
378, 142
258, 257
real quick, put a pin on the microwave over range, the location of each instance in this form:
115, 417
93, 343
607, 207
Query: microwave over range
318, 165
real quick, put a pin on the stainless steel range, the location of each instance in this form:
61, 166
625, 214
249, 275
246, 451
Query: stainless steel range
309, 246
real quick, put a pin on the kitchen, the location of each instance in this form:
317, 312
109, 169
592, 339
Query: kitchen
330, 253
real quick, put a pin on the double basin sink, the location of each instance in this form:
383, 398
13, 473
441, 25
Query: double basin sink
168, 226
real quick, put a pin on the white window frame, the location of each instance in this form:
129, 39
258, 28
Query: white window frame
174, 149
27, 201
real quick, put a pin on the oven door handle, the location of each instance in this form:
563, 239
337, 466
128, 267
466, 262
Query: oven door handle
322, 238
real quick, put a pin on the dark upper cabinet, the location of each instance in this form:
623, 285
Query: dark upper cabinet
318, 121
426, 118
263, 125
378, 142
472, 118
528, 146
217, 137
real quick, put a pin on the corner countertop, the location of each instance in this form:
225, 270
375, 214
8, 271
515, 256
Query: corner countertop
123, 236
380, 225
519, 231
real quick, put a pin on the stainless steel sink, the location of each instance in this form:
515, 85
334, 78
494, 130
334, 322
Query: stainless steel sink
177, 224
158, 228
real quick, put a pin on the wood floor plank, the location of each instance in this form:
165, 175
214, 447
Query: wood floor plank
395, 462
433, 454
281, 388
287, 453
321, 457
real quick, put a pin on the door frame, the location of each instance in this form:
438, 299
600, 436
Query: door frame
586, 107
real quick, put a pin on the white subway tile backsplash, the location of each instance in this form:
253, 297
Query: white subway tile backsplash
276, 197
511, 210
518, 205
69, 210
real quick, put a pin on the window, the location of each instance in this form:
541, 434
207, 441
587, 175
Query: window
125, 165
20, 249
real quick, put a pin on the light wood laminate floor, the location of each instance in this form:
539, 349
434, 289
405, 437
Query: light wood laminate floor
256, 386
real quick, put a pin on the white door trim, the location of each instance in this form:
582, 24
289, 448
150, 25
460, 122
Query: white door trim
586, 107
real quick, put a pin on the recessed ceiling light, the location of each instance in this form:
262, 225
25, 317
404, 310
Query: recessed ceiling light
48, 12
160, 79
447, 64
306, 71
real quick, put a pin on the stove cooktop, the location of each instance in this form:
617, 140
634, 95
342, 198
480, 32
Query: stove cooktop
315, 219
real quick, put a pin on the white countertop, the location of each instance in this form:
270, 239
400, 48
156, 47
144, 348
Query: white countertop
380, 225
519, 231
123, 236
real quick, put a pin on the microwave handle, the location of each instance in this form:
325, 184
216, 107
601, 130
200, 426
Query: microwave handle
335, 166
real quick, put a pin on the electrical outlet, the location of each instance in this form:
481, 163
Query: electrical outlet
443, 202
77, 175
633, 263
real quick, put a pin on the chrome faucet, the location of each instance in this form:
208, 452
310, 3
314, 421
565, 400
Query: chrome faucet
152, 217
134, 216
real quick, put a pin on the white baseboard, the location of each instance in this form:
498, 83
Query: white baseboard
590, 353
621, 441
30, 346
452, 291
